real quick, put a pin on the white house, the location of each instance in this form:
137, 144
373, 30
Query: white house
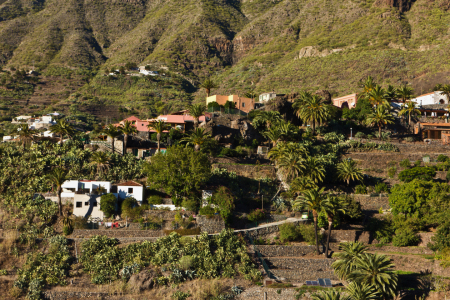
130, 189
264, 97
431, 98
87, 206
7, 138
72, 187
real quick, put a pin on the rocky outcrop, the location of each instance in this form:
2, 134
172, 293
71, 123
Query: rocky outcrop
402, 5
312, 51
142, 281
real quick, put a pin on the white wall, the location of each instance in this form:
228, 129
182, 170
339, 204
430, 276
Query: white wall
90, 206
137, 193
78, 185
432, 98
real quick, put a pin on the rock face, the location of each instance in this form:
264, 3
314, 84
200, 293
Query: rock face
142, 281
402, 5
325, 95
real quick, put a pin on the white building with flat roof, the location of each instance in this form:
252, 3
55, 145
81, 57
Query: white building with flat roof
431, 98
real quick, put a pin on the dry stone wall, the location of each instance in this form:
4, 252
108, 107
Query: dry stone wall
302, 269
250, 171
372, 203
116, 233
211, 225
286, 251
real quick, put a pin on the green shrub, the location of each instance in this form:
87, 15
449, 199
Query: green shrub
108, 204
256, 215
442, 158
67, 230
179, 295
422, 173
382, 229
360, 135
224, 200
360, 189
289, 232
405, 237
3, 272
405, 163
154, 200
127, 207
186, 262
417, 163
307, 233
381, 187
448, 176
392, 171
190, 204
207, 211
441, 240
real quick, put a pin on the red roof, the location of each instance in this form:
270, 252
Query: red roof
179, 119
129, 183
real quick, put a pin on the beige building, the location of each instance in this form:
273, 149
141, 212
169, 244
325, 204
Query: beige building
242, 103
348, 101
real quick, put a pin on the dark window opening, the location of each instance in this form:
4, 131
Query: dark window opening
86, 203
79, 204
130, 190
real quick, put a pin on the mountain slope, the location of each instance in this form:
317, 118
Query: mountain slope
283, 45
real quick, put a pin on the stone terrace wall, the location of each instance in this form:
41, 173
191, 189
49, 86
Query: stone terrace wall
285, 251
250, 171
264, 232
301, 270
372, 203
49, 295
406, 250
116, 233
211, 225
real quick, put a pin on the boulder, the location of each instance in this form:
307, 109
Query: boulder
143, 280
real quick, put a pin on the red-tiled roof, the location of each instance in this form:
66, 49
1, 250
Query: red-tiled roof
129, 183
179, 119
424, 95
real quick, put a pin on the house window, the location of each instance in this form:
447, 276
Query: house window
94, 204
130, 190
79, 204
243, 104
86, 203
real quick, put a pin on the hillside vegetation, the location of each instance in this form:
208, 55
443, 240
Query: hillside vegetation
243, 45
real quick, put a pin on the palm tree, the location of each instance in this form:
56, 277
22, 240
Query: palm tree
57, 177
25, 134
196, 111
100, 160
62, 128
346, 260
287, 130
377, 96
405, 93
332, 206
208, 84
303, 97
158, 126
361, 292
375, 270
312, 200
291, 165
445, 91
314, 169
348, 171
251, 94
196, 138
380, 117
391, 93
301, 184
268, 117
273, 134
313, 110
127, 128
113, 132
409, 109
368, 85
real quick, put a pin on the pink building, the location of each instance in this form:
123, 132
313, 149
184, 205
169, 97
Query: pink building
348, 101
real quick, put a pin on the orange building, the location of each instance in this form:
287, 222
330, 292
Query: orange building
348, 101
242, 103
